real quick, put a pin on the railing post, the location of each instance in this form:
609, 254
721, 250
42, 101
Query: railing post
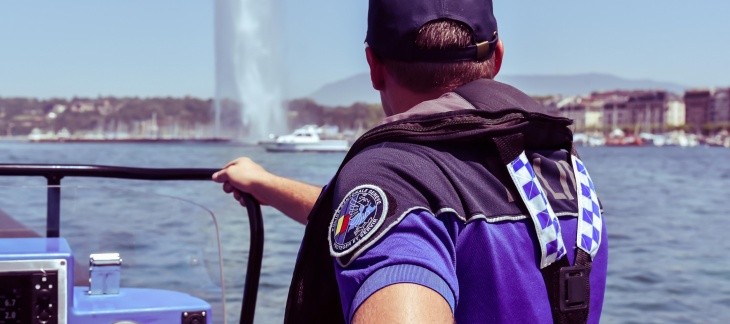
53, 206
255, 256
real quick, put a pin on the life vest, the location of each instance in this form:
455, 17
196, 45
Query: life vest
505, 122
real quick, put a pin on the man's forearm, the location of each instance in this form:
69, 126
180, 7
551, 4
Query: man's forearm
293, 198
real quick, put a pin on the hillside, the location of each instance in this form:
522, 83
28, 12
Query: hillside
357, 88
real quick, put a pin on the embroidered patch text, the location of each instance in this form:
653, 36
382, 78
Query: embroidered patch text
358, 216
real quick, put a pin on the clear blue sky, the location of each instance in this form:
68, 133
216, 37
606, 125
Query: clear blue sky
166, 47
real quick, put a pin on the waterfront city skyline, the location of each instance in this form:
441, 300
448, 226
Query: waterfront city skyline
166, 48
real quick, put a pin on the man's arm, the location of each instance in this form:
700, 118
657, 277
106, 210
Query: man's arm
293, 198
404, 303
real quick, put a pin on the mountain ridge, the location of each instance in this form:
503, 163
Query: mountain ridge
357, 88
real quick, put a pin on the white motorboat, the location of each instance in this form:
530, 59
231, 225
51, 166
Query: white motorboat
305, 139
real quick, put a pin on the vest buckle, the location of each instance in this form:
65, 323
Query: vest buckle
574, 288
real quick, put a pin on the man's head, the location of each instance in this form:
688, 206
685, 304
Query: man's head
429, 47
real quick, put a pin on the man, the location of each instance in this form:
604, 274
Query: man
448, 210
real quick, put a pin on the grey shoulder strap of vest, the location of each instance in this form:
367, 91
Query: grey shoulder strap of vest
568, 287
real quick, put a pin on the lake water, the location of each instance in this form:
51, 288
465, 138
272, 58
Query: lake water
667, 215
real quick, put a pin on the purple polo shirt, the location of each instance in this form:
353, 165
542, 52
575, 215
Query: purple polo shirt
487, 272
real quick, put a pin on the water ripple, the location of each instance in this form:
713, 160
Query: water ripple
667, 221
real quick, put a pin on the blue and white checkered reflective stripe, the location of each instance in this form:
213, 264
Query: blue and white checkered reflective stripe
544, 219
589, 223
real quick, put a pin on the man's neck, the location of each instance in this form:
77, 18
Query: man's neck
398, 99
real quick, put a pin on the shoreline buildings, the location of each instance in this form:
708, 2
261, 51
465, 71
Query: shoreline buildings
699, 111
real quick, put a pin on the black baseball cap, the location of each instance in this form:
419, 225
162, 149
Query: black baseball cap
394, 24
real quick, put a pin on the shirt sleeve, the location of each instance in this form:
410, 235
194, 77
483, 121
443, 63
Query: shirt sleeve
418, 250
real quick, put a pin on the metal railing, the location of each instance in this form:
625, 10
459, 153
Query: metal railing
54, 173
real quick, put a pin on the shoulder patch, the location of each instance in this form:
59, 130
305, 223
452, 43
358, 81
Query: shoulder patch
358, 217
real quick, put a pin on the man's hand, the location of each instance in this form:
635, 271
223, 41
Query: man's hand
245, 175
293, 198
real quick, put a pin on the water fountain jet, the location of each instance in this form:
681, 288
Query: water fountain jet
247, 70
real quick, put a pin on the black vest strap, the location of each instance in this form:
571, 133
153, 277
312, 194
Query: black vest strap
510, 146
568, 287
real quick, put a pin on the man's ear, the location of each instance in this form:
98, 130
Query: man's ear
377, 69
498, 55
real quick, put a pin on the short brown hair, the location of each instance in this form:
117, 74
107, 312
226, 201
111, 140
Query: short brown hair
430, 76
